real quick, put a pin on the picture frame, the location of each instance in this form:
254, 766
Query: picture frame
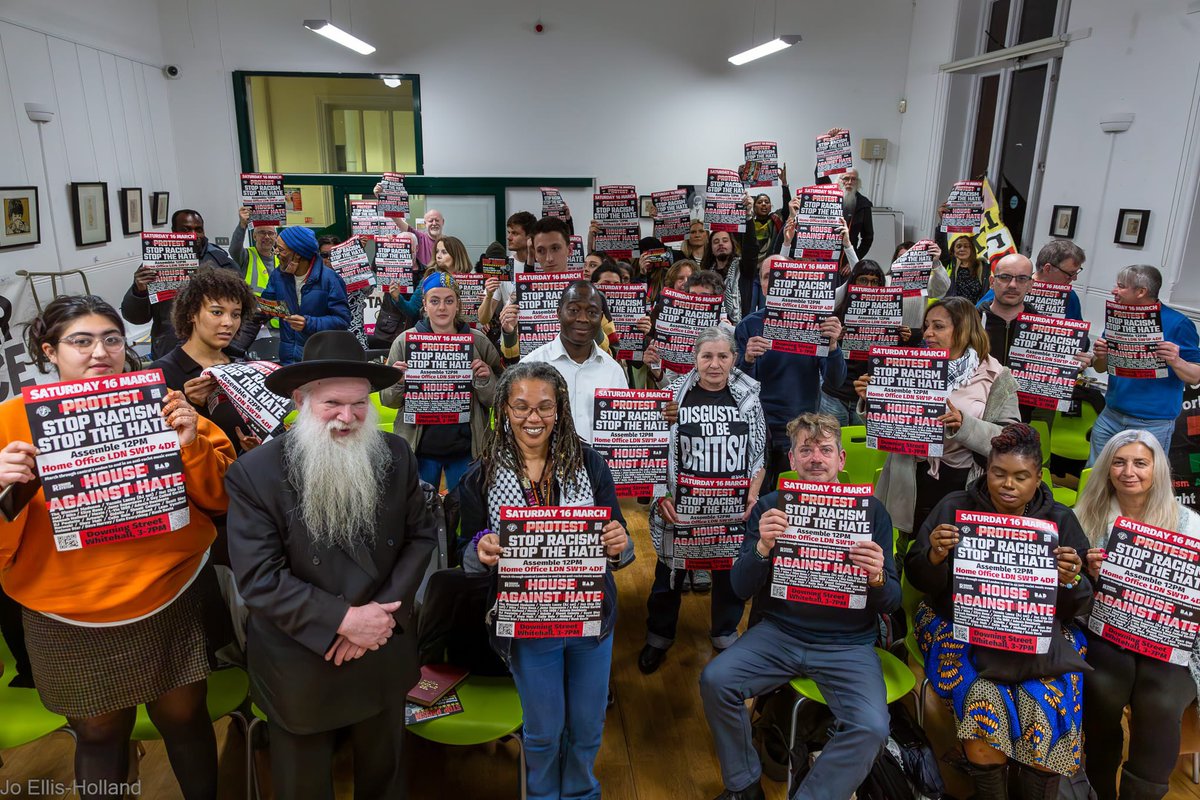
131, 211
1062, 221
22, 223
89, 213
160, 208
1131, 226
645, 203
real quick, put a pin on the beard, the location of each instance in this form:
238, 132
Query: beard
849, 201
339, 479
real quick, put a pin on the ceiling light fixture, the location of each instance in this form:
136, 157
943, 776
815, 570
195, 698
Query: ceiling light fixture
392, 81
336, 34
765, 49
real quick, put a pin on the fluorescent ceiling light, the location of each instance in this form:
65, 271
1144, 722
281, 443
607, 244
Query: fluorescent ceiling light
773, 46
392, 81
334, 33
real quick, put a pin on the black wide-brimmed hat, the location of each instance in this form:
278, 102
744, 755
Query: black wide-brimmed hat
331, 354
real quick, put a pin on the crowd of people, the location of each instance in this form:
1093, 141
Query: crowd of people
326, 530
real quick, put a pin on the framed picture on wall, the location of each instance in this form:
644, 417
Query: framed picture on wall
160, 207
22, 226
1131, 226
89, 213
131, 211
1062, 221
645, 203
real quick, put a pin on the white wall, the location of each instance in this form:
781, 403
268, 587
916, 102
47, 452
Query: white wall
1140, 57
623, 91
112, 124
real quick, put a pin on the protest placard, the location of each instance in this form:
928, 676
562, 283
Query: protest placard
911, 271
392, 197
501, 268
551, 575
537, 306
263, 195
873, 319
626, 305
906, 396
1042, 360
553, 203
1048, 299
710, 530
274, 309
964, 208
615, 207
631, 434
110, 465
672, 215
1005, 581
1133, 333
617, 239
576, 256
681, 317
437, 378
172, 256
349, 260
812, 557
761, 167
724, 201
834, 155
1148, 596
800, 296
368, 222
394, 263
470, 295
244, 386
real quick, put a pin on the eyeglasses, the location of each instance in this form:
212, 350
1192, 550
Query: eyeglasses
1070, 275
544, 411
1019, 280
85, 343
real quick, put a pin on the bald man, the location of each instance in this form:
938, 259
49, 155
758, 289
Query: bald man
1012, 277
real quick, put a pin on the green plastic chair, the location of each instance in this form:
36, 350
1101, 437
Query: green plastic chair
1084, 477
23, 718
1062, 494
790, 475
227, 690
257, 717
1069, 437
897, 677
861, 461
491, 712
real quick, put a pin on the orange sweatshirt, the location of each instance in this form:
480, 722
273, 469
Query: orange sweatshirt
118, 581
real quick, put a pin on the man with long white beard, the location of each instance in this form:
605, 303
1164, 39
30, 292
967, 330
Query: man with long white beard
328, 559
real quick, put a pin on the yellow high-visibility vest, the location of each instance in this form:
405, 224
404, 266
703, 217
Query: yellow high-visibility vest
257, 275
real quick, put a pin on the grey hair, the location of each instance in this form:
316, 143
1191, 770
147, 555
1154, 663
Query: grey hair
714, 334
1142, 276
1095, 502
1056, 252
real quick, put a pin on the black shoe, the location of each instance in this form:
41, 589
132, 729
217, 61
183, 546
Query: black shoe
651, 658
611, 698
752, 792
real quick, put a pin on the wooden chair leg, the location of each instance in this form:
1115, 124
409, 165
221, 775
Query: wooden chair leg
1196, 768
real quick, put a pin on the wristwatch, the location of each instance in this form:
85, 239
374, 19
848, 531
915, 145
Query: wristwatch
881, 577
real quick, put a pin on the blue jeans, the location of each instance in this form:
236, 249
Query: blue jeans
844, 413
663, 608
563, 685
1111, 422
848, 675
430, 469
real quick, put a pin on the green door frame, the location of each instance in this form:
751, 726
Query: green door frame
345, 184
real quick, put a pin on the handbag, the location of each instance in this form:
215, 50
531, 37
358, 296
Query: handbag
388, 324
1003, 666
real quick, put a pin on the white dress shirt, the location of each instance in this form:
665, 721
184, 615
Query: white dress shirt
598, 371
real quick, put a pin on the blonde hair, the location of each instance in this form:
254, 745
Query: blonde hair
1094, 507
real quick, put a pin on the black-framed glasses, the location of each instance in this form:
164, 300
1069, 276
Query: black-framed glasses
1070, 275
1019, 280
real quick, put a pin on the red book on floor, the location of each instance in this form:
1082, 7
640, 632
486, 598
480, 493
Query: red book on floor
436, 680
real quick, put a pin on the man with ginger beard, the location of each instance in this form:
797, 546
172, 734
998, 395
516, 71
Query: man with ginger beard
328, 558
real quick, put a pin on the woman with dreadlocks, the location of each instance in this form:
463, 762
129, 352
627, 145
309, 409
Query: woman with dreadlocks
533, 457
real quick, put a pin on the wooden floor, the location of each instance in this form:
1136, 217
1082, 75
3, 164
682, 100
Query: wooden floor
656, 742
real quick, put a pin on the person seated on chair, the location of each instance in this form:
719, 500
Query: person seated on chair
534, 458
123, 623
1132, 478
445, 449
328, 558
832, 646
1012, 713
717, 431
206, 316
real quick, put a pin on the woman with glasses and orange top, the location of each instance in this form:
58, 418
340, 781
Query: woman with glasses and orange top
117, 625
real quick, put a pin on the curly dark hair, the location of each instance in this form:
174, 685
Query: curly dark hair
1017, 439
48, 326
208, 284
500, 449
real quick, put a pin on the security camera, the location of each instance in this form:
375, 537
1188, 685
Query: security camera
171, 72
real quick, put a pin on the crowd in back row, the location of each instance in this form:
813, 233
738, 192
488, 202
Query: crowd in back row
765, 404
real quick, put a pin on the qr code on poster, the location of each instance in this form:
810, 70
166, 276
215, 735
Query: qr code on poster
962, 633
67, 541
505, 629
